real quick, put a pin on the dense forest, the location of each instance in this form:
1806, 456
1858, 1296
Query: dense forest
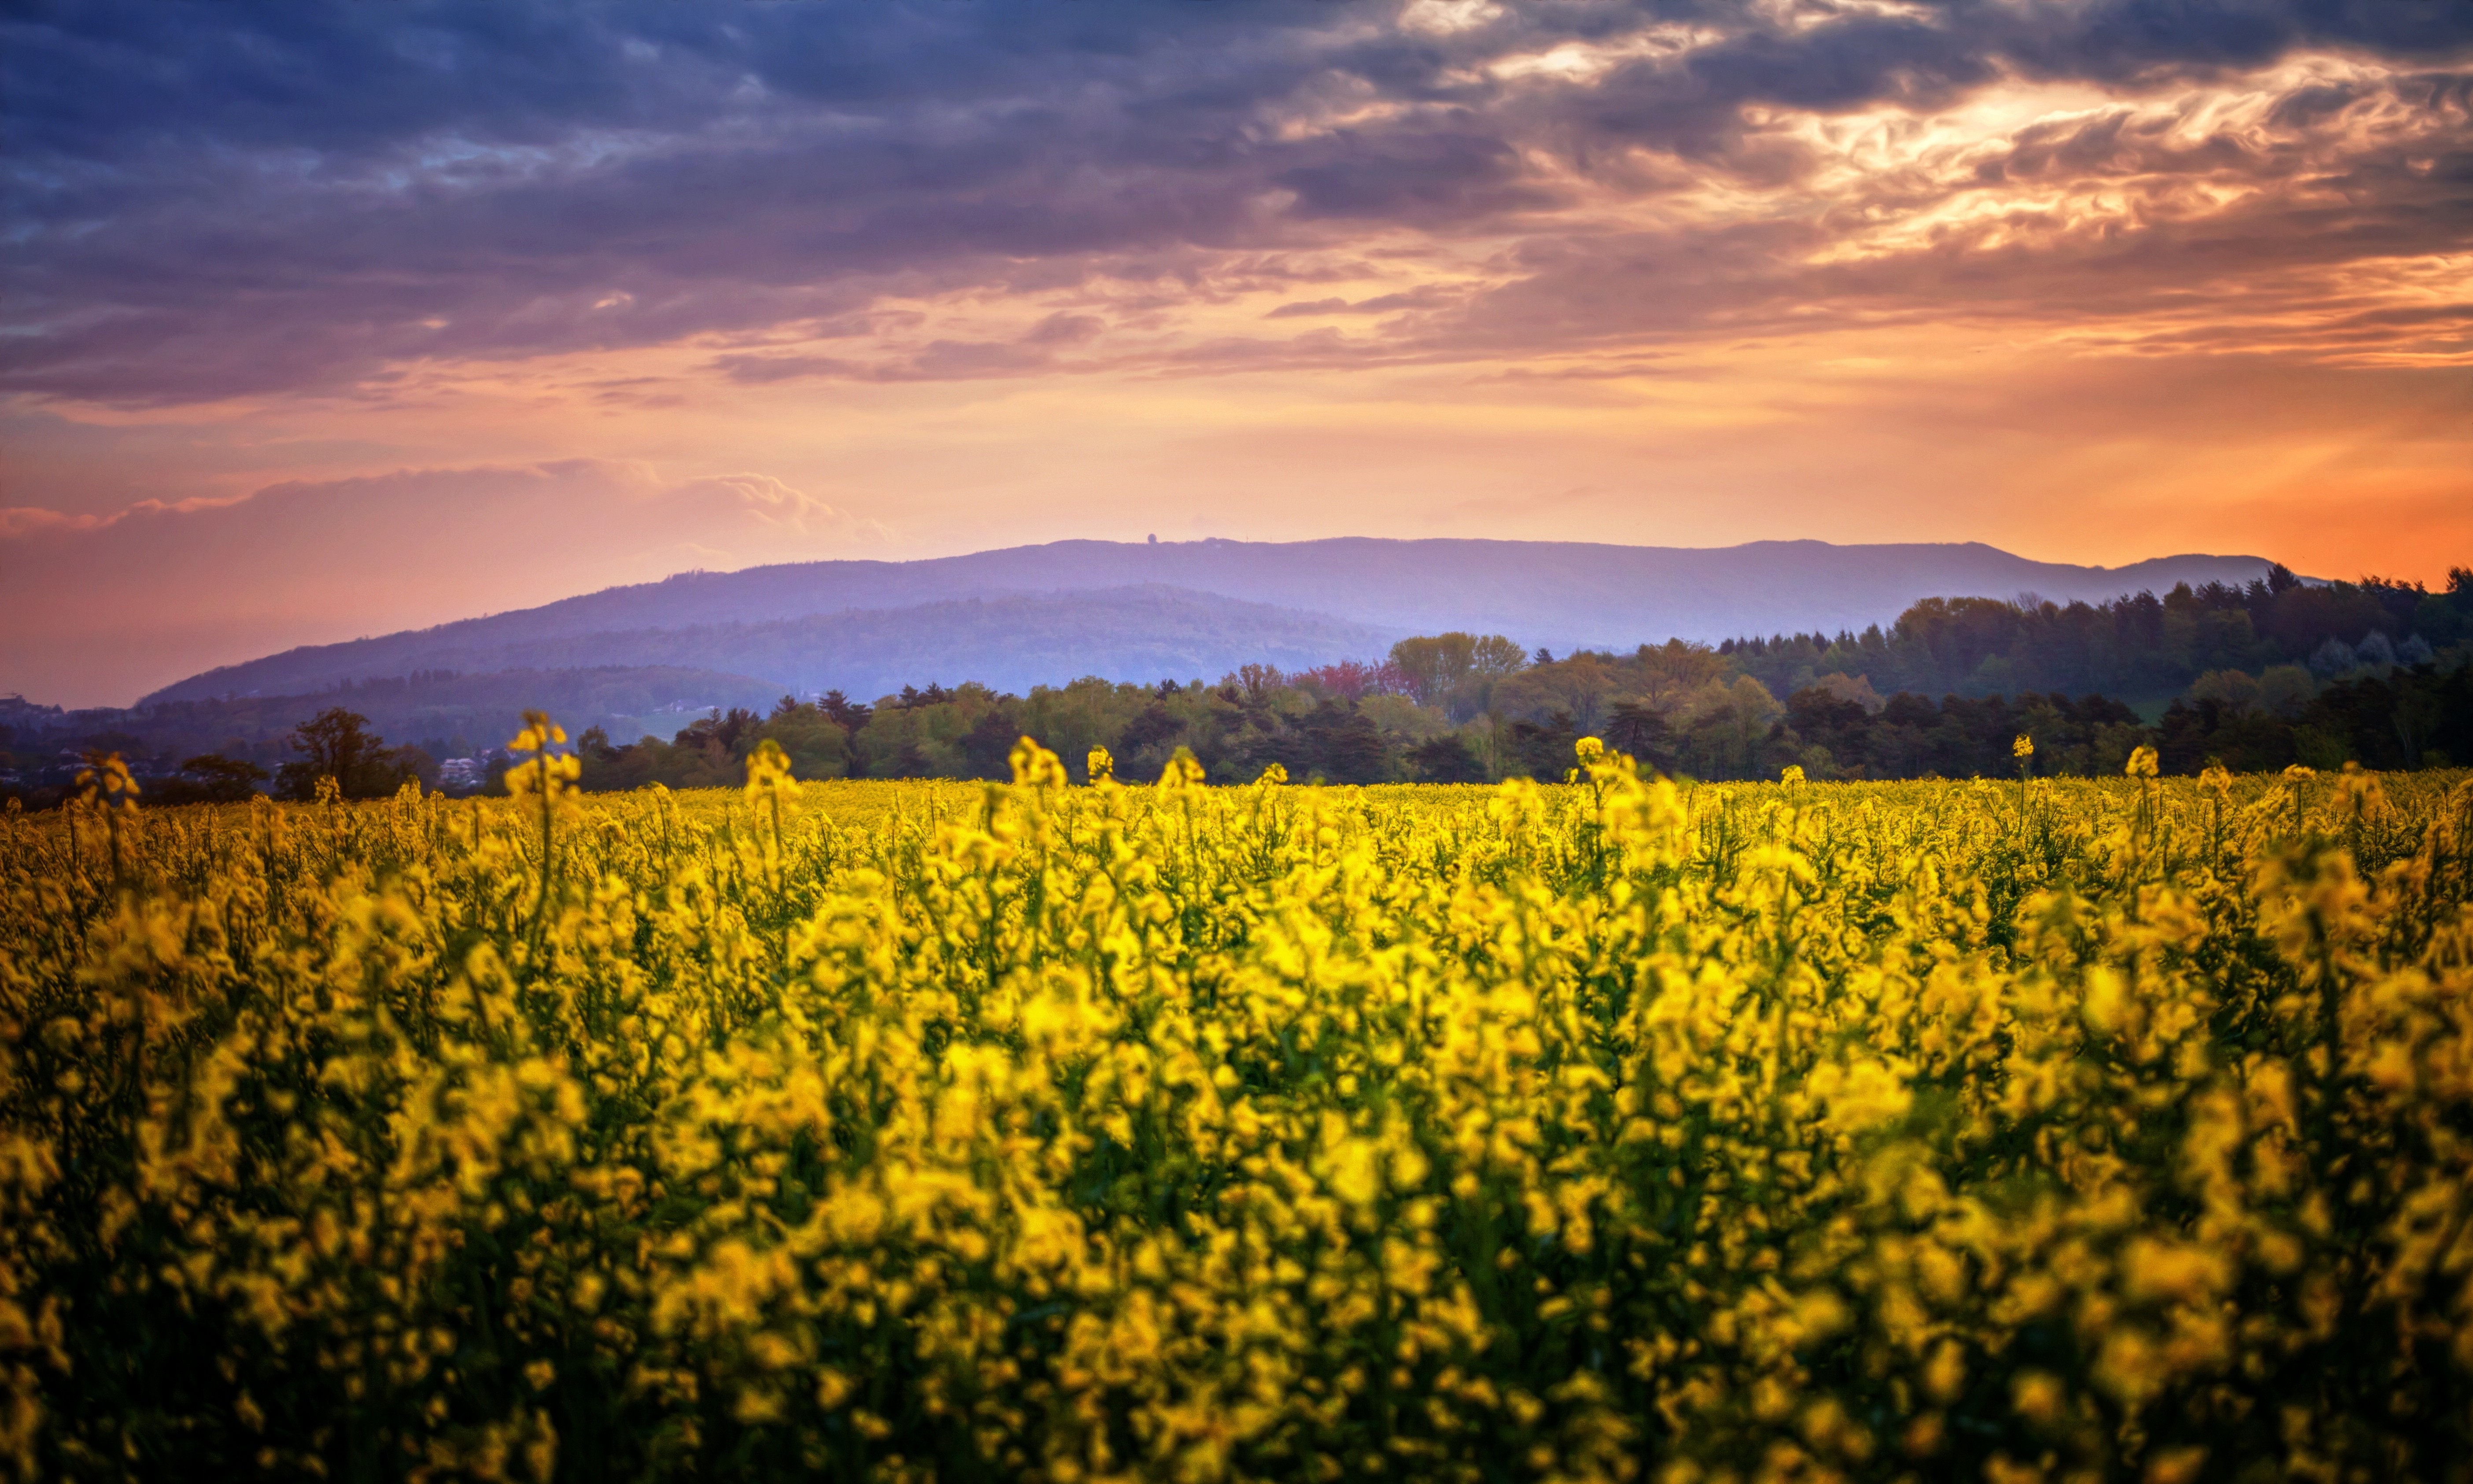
2136, 647
2277, 673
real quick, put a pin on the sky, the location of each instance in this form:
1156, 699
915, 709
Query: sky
327, 321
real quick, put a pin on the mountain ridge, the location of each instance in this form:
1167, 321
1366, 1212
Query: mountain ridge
1007, 640
1341, 591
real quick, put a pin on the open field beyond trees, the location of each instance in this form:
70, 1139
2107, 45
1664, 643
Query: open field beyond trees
1610, 1129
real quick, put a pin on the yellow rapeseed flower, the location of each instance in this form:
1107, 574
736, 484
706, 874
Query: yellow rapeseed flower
895, 1127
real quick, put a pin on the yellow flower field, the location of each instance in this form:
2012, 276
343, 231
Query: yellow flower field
1612, 1129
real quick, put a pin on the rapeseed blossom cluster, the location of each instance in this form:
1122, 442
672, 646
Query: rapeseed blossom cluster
1615, 1130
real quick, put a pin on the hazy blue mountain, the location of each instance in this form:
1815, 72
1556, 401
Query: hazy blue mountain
873, 624
1010, 641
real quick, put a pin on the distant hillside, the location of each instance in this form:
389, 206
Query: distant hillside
1339, 597
482, 711
1010, 642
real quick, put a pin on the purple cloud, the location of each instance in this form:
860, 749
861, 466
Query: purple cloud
208, 200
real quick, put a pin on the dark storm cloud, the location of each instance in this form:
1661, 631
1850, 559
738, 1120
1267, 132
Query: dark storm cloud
204, 199
1847, 64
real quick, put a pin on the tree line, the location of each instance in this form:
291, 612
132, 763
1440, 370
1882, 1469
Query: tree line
2275, 673
2135, 646
1472, 708
2384, 677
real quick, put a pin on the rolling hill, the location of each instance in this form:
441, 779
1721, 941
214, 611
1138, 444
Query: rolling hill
1012, 642
1045, 615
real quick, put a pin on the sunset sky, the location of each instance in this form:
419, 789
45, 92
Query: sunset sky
325, 321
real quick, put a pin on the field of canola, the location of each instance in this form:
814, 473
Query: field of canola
1613, 1130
